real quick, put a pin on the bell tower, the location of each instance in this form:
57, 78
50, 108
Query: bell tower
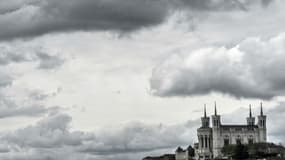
216, 123
216, 119
262, 125
204, 134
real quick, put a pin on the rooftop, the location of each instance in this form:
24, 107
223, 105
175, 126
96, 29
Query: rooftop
238, 126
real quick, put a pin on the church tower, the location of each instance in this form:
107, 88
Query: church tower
262, 125
205, 120
216, 123
204, 134
250, 119
212, 138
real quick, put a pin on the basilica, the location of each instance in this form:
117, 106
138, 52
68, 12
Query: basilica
212, 139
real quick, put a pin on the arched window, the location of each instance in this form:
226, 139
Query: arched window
238, 140
226, 140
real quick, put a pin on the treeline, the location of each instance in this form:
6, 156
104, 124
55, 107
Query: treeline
253, 151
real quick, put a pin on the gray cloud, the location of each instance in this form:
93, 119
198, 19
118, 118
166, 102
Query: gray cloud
52, 137
10, 53
48, 133
139, 137
39, 95
5, 80
9, 108
210, 5
49, 61
275, 118
13, 5
266, 2
7, 57
28, 18
30, 106
252, 69
49, 139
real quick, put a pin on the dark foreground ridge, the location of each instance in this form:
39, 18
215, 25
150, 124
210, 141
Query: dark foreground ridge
257, 151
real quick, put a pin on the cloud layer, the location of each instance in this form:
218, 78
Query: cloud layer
13, 57
18, 53
51, 138
28, 18
253, 68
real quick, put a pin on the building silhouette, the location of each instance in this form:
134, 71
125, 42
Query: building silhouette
212, 139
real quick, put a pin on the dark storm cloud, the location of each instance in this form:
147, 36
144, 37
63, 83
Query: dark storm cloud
212, 5
67, 15
251, 69
27, 18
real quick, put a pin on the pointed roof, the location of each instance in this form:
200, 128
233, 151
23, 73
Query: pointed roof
190, 149
205, 112
179, 149
250, 113
215, 108
261, 109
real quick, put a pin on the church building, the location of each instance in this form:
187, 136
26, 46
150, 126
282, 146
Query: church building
212, 139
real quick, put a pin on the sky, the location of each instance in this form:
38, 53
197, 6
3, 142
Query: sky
124, 79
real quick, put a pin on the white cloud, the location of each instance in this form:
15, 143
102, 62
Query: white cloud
253, 68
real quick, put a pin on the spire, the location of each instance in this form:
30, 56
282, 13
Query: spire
215, 108
250, 114
205, 114
261, 110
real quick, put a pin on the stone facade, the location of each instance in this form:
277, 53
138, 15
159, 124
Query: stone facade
212, 139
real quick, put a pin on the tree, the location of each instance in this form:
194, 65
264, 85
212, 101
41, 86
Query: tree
240, 152
191, 151
228, 150
256, 150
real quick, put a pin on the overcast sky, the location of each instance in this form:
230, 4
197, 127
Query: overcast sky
123, 79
